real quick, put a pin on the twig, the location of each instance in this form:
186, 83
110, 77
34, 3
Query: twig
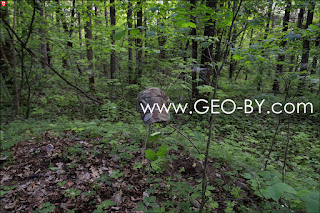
186, 138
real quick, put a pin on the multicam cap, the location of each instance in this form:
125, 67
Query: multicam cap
153, 96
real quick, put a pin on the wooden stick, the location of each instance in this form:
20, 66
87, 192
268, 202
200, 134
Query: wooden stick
148, 135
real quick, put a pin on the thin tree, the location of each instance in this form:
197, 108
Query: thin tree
194, 49
129, 22
113, 52
88, 35
315, 58
265, 37
42, 32
139, 41
306, 41
16, 98
281, 56
207, 52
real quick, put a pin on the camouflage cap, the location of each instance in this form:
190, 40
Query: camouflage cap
153, 96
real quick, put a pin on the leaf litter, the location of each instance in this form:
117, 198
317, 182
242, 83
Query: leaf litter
69, 173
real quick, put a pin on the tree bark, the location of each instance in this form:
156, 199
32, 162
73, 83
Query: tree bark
139, 41
306, 41
232, 61
194, 50
113, 52
265, 37
16, 98
281, 56
300, 18
130, 65
207, 53
42, 32
88, 31
315, 58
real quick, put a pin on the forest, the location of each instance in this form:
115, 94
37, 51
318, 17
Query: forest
76, 75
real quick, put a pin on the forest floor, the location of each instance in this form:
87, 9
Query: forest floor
54, 174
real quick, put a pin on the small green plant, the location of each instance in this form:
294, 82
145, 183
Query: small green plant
115, 174
5, 189
61, 184
236, 192
104, 206
72, 192
45, 207
157, 158
229, 208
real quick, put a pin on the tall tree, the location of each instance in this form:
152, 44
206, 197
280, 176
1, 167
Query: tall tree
16, 98
60, 18
306, 41
194, 50
88, 35
162, 13
129, 22
267, 28
232, 61
207, 52
299, 25
300, 18
315, 58
42, 32
139, 41
281, 56
113, 52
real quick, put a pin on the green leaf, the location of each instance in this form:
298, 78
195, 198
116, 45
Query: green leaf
201, 157
107, 203
276, 191
191, 24
205, 44
312, 201
251, 58
154, 136
150, 154
163, 151
205, 88
295, 37
154, 9
285, 188
119, 34
134, 32
273, 192
237, 57
150, 34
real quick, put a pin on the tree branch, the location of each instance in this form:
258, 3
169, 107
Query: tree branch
55, 71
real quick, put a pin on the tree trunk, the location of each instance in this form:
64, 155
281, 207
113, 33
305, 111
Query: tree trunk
80, 28
139, 41
281, 57
16, 98
113, 52
306, 41
106, 13
194, 50
129, 22
207, 53
300, 18
60, 18
162, 38
232, 61
88, 31
42, 32
315, 58
265, 37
